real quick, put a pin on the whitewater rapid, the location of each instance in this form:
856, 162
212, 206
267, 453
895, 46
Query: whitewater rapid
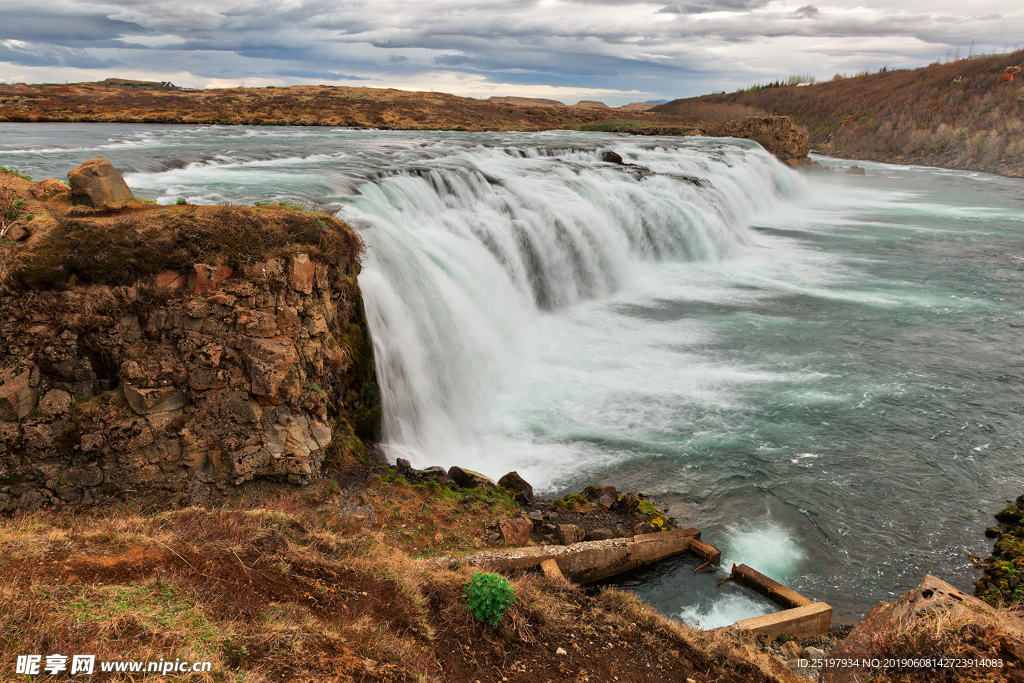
473, 252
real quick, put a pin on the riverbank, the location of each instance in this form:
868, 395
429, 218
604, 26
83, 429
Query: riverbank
963, 114
376, 108
322, 583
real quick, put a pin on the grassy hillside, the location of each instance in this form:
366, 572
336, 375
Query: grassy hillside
322, 585
304, 105
966, 114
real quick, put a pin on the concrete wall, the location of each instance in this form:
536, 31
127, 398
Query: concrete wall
809, 620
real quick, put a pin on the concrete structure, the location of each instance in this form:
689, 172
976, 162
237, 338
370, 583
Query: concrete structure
773, 590
588, 561
706, 551
813, 619
801, 618
551, 570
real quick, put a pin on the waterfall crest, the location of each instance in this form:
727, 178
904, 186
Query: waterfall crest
468, 246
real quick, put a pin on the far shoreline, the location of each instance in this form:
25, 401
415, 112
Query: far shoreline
922, 163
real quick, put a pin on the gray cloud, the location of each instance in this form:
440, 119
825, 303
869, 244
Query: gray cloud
703, 6
470, 46
806, 12
321, 75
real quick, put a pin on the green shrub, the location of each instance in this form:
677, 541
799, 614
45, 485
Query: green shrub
14, 172
489, 596
181, 202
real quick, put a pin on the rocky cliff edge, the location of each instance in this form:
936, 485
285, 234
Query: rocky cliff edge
178, 351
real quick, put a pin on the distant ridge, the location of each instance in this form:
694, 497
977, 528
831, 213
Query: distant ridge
526, 101
965, 114
641, 106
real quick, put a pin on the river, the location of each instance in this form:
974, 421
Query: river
822, 372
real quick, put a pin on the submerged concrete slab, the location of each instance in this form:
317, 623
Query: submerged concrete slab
773, 590
808, 620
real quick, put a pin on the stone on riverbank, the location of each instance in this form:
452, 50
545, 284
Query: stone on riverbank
468, 479
97, 183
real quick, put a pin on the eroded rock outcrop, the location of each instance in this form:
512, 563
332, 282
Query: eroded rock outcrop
188, 383
775, 133
933, 622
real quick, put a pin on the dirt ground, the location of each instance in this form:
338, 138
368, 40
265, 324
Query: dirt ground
321, 584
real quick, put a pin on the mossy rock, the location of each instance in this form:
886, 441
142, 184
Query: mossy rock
1010, 514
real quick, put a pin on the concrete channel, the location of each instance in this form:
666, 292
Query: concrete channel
590, 561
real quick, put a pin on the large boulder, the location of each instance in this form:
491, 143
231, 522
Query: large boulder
468, 479
569, 534
18, 392
97, 183
516, 532
775, 133
599, 491
513, 482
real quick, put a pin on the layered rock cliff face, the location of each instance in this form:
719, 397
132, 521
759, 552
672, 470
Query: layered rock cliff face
185, 382
775, 133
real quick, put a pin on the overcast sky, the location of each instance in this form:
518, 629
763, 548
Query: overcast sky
616, 51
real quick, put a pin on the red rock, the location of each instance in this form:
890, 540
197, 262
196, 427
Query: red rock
170, 279
48, 188
569, 533
55, 403
288, 322
17, 395
155, 400
265, 270
261, 324
269, 362
775, 133
516, 532
14, 233
301, 272
204, 278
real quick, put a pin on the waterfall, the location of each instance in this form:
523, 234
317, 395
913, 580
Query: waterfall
469, 246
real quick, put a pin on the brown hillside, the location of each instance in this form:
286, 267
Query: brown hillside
299, 105
965, 115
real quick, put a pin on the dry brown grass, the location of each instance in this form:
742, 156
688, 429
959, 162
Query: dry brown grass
267, 592
8, 212
122, 249
714, 112
955, 642
956, 631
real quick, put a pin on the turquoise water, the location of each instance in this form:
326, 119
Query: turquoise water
822, 373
